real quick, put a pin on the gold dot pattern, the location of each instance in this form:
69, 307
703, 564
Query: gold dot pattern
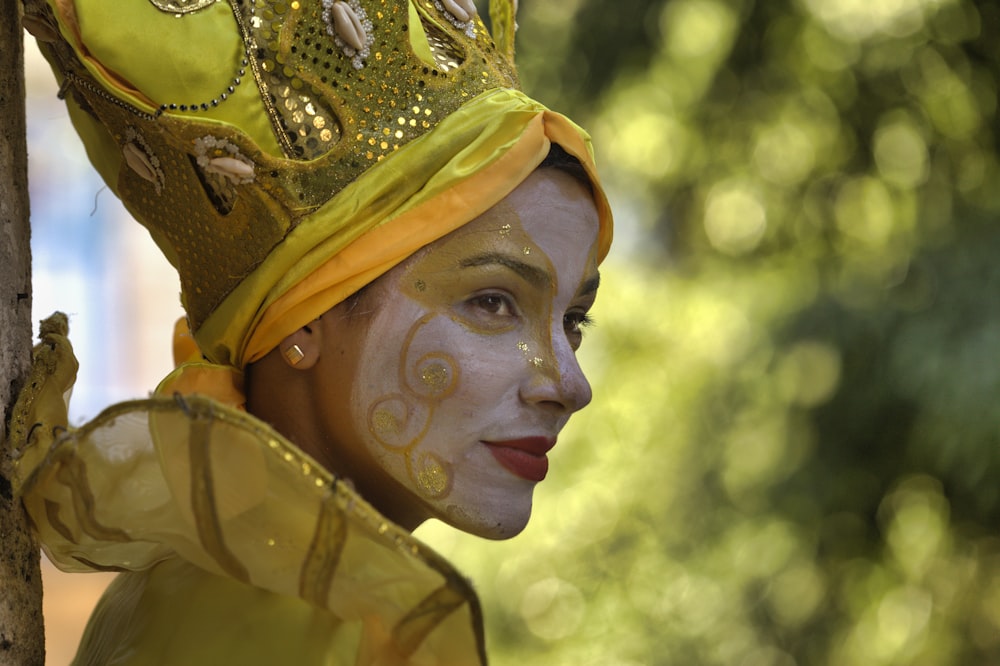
308, 127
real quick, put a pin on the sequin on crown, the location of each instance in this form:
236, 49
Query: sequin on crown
342, 85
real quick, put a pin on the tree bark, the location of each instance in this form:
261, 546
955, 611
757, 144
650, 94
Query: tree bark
22, 634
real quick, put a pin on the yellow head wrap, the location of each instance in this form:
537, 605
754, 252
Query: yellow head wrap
342, 137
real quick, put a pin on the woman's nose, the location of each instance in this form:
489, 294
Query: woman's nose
556, 377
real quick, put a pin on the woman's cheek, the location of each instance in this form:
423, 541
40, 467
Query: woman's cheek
405, 397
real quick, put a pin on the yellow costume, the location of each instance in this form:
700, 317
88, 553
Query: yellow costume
343, 137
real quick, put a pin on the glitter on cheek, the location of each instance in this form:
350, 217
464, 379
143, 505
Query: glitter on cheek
384, 422
392, 419
435, 377
432, 476
505, 230
537, 362
527, 250
523, 346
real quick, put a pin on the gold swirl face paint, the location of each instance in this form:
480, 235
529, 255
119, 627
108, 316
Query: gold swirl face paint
446, 402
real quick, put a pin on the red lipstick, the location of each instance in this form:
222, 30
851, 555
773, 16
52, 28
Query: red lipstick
524, 458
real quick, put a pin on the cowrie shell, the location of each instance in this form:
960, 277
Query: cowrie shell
138, 161
348, 25
463, 10
232, 168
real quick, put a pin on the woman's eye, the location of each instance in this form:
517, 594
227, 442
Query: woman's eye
495, 304
575, 322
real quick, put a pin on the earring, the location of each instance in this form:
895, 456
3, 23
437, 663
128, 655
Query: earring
294, 354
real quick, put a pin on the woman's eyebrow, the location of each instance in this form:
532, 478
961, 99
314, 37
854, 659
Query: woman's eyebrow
590, 286
533, 274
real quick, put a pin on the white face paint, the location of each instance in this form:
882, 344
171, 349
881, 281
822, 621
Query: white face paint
444, 400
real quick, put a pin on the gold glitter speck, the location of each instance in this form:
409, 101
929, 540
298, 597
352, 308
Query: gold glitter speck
505, 230
537, 362
527, 250
435, 377
385, 422
433, 477
522, 345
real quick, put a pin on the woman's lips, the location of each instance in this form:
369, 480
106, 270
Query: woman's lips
524, 457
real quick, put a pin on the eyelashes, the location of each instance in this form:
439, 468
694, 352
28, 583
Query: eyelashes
578, 321
574, 324
497, 310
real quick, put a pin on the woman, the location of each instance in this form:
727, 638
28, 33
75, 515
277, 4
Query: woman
385, 260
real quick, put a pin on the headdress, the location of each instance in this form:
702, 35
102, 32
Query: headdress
243, 135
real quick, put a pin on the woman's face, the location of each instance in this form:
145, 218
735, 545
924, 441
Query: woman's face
444, 399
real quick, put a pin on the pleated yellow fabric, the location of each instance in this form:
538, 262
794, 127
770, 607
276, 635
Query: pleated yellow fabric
224, 527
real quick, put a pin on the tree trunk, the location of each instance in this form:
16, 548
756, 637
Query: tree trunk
22, 634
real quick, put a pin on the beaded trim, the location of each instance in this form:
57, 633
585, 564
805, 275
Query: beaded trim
222, 97
80, 82
468, 26
240, 73
181, 6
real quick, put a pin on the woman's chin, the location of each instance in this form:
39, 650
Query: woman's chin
495, 525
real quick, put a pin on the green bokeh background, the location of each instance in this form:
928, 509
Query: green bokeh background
793, 452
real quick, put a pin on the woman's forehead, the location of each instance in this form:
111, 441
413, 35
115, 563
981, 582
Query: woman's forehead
550, 211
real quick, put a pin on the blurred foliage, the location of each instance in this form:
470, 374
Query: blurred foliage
793, 456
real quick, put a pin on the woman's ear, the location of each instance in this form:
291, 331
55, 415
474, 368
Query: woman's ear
301, 349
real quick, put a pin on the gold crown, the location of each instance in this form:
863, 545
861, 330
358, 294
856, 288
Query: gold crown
240, 118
